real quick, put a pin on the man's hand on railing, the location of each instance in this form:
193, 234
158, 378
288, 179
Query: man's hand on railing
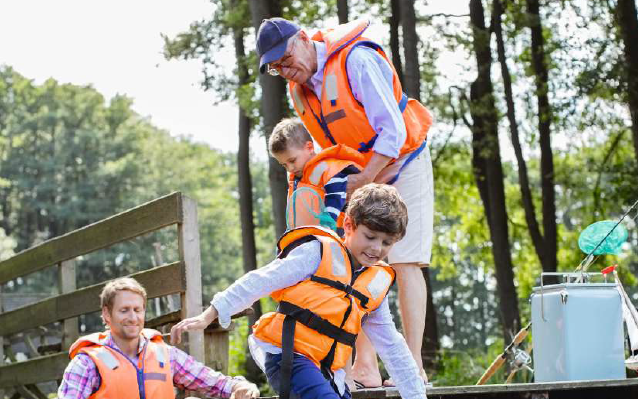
199, 322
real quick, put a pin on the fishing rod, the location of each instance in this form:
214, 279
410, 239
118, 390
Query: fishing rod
500, 359
590, 259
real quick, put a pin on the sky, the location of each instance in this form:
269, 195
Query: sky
116, 47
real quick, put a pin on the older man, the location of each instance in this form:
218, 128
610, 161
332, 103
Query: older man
346, 91
128, 361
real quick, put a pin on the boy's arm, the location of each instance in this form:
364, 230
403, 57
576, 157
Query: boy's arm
335, 188
394, 352
300, 264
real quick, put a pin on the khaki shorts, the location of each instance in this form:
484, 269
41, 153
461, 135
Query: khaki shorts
416, 187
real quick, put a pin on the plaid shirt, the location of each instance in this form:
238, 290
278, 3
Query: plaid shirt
81, 378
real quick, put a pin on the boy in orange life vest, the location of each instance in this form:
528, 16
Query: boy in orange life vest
314, 180
328, 291
129, 361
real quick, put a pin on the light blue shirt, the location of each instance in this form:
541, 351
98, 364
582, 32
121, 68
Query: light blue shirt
301, 263
370, 77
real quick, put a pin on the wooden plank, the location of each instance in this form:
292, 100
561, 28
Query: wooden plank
217, 348
188, 239
159, 260
25, 393
33, 390
145, 218
168, 318
503, 389
514, 390
163, 280
176, 316
33, 371
67, 284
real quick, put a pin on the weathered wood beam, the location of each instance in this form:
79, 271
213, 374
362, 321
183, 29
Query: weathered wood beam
33, 371
145, 218
160, 281
67, 284
188, 240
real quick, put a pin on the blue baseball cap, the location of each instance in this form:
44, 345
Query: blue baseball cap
272, 39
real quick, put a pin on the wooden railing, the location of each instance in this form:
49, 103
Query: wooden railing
182, 277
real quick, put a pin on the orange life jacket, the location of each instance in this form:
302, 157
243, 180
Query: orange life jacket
306, 196
338, 118
326, 309
151, 378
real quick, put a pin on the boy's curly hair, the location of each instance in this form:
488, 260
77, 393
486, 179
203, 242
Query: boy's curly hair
379, 207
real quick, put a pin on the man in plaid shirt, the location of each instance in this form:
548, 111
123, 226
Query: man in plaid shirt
130, 361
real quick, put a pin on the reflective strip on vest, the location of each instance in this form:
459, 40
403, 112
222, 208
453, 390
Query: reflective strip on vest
297, 100
108, 359
154, 376
338, 262
159, 354
331, 89
315, 176
379, 283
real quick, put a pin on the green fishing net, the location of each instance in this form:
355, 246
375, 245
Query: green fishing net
306, 208
594, 234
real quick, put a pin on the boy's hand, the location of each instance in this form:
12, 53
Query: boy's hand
199, 322
244, 390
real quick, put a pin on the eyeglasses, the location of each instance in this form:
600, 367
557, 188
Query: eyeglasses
272, 71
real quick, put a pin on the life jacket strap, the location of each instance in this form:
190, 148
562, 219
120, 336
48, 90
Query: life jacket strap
294, 245
107, 358
315, 322
347, 289
287, 355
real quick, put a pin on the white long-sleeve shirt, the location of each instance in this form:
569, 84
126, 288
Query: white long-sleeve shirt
301, 263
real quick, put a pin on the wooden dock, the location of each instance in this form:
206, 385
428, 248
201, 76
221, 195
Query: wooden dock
603, 389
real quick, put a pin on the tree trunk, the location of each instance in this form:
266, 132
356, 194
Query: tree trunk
394, 20
342, 11
523, 178
544, 131
274, 107
244, 179
628, 25
489, 171
412, 75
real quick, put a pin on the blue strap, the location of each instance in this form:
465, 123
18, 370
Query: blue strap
414, 154
367, 146
403, 103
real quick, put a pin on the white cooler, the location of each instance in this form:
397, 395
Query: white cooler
577, 330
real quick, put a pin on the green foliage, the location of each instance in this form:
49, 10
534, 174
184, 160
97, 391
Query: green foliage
7, 244
238, 347
68, 158
466, 367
